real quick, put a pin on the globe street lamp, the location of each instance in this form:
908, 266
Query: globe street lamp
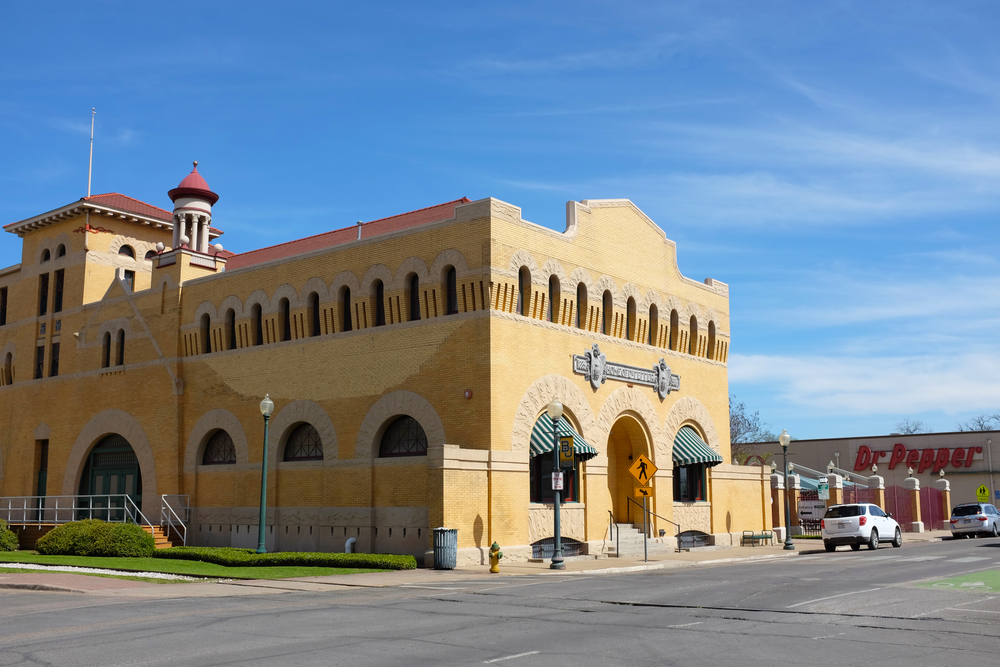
266, 408
784, 439
555, 411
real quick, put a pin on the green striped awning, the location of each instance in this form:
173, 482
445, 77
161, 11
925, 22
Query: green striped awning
689, 448
542, 443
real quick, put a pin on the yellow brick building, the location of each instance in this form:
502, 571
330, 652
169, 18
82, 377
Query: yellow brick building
409, 359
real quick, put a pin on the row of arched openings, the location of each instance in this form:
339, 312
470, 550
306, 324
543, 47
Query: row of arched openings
607, 315
403, 436
119, 350
60, 252
313, 313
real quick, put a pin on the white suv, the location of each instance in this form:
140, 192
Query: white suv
973, 519
857, 524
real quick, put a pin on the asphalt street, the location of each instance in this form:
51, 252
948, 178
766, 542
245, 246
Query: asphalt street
924, 604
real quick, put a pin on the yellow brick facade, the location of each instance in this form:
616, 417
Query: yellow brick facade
476, 381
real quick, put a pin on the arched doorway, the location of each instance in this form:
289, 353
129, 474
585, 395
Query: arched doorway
626, 441
112, 471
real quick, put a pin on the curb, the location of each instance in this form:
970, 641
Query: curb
663, 565
42, 587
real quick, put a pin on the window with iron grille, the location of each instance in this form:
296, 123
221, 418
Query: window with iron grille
219, 450
304, 444
403, 437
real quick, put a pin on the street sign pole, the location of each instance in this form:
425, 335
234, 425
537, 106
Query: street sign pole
645, 533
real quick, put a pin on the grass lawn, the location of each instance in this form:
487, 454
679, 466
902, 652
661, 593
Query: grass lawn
171, 566
988, 580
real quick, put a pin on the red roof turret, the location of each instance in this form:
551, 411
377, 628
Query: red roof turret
194, 186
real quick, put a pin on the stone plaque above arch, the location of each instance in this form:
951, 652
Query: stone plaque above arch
215, 420
411, 265
635, 403
524, 258
538, 396
690, 410
393, 405
448, 257
105, 423
297, 412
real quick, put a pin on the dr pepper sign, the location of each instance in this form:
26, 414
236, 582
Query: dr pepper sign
921, 459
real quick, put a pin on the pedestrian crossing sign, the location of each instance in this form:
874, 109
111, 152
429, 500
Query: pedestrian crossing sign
643, 469
983, 494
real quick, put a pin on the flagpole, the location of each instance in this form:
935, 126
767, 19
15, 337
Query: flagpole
90, 173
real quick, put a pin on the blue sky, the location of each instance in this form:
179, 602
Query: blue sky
837, 163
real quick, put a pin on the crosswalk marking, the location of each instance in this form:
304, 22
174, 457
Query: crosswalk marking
967, 559
919, 559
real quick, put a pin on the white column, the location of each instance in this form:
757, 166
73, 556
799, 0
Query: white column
177, 231
195, 232
203, 241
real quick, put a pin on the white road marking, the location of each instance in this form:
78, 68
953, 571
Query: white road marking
967, 559
919, 559
801, 558
511, 657
436, 588
685, 625
869, 590
831, 636
883, 557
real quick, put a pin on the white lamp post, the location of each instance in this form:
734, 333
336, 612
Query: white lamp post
784, 439
555, 411
266, 408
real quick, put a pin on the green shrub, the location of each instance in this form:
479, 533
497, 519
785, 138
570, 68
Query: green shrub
8, 538
93, 537
232, 557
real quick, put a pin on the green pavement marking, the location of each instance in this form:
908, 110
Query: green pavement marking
987, 580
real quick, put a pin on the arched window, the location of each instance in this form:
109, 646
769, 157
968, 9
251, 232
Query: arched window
413, 285
693, 340
206, 334
654, 325
46, 255
257, 315
581, 306
523, 291
710, 352
403, 437
150, 254
230, 329
219, 450
106, 351
451, 289
674, 329
304, 444
127, 251
555, 297
284, 308
630, 319
61, 251
379, 303
609, 312
8, 369
345, 304
313, 308
121, 347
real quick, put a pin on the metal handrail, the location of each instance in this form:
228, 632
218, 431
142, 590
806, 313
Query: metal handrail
47, 510
629, 515
611, 533
168, 519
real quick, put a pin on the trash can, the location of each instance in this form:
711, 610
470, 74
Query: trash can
445, 548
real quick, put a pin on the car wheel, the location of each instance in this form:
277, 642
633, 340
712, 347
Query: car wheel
898, 539
830, 547
995, 532
873, 540
855, 547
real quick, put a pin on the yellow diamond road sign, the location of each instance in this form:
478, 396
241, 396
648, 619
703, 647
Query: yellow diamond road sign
643, 492
982, 494
643, 469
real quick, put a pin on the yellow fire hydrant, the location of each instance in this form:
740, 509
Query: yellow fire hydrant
495, 556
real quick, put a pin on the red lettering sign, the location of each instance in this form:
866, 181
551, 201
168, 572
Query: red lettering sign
898, 454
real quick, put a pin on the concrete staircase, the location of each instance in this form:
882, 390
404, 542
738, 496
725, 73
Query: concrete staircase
628, 538
163, 539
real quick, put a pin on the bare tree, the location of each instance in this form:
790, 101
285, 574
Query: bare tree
907, 426
982, 422
746, 428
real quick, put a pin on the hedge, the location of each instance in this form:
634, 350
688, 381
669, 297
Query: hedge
8, 538
233, 557
93, 537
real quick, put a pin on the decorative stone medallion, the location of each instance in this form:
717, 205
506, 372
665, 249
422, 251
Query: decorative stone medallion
594, 366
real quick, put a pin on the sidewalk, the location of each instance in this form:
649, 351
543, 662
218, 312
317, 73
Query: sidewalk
420, 578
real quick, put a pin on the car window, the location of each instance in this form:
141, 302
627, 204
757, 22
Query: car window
876, 511
844, 510
966, 510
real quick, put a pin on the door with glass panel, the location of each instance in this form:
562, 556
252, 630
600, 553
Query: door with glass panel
113, 472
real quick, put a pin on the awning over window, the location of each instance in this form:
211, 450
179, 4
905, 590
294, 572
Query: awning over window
541, 438
689, 449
